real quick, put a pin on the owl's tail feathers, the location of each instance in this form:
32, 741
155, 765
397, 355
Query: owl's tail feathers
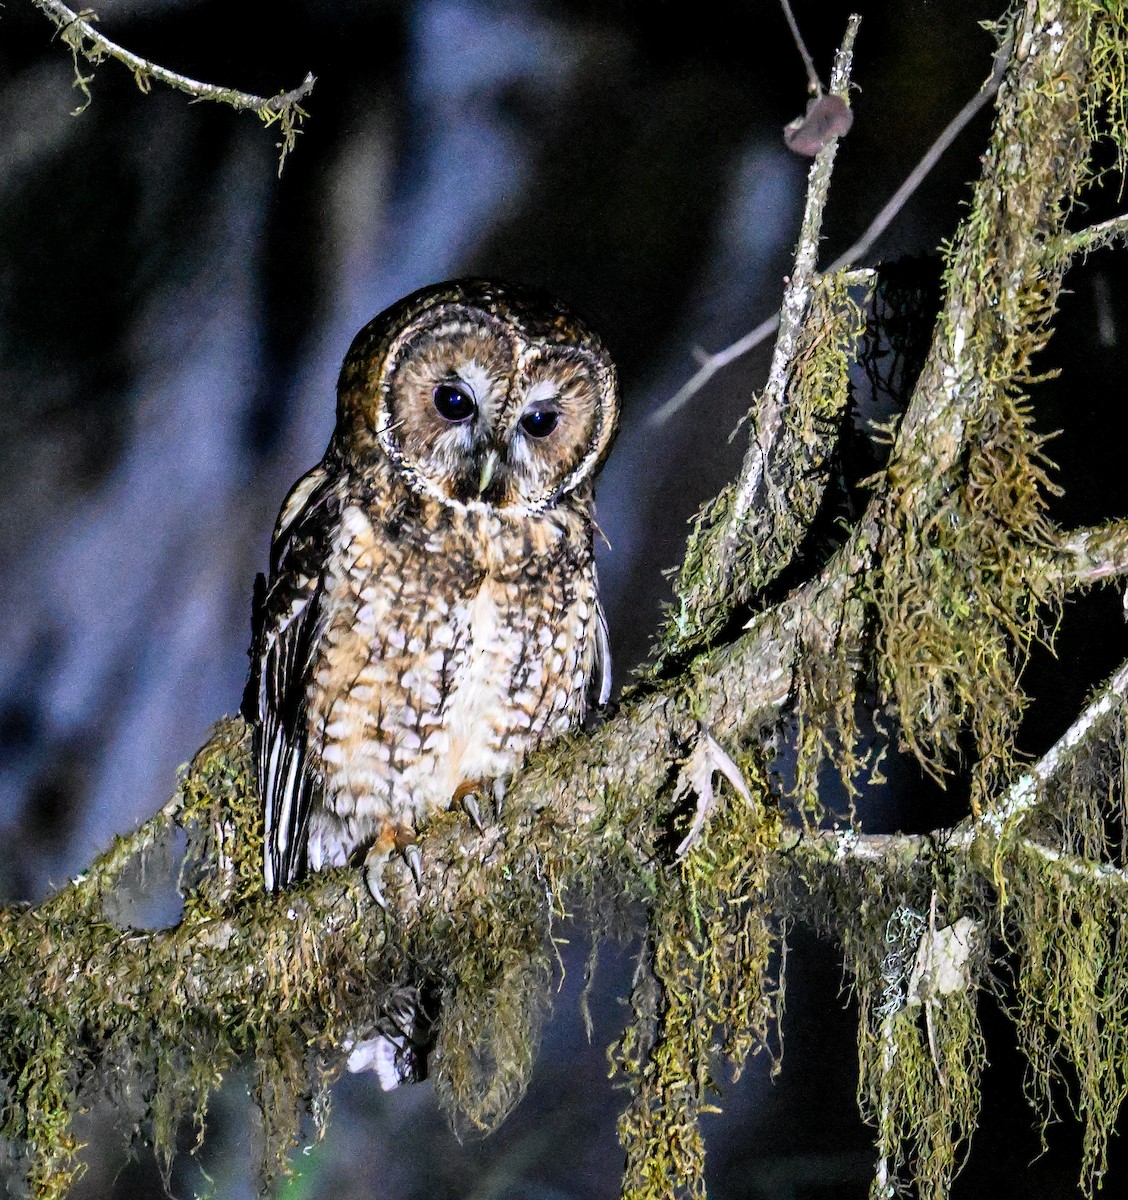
397, 1051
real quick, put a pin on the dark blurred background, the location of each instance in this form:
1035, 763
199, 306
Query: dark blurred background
172, 316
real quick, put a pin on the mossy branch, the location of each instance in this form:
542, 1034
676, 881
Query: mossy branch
1096, 554
78, 31
1092, 237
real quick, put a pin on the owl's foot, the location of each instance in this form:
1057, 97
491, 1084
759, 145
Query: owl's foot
391, 839
707, 759
468, 792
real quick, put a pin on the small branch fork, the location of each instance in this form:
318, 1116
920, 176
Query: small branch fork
841, 846
78, 31
710, 364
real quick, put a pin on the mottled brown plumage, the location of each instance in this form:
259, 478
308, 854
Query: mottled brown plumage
431, 612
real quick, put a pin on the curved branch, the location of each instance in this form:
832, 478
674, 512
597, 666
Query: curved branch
78, 31
1093, 237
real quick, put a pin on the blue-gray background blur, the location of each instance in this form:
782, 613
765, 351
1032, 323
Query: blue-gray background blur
172, 316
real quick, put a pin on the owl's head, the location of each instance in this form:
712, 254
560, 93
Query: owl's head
478, 392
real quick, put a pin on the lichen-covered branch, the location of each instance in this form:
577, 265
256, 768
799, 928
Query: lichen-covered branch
748, 535
1092, 237
1096, 554
78, 31
962, 512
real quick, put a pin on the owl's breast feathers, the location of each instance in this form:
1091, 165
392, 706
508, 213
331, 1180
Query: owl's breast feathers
405, 646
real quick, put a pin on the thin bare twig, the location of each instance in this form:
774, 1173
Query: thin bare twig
814, 84
713, 363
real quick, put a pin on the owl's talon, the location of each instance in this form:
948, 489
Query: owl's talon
372, 874
467, 794
470, 804
411, 854
377, 858
498, 794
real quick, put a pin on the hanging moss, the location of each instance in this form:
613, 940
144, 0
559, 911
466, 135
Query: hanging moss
963, 514
494, 1004
1106, 113
826, 698
914, 934
91, 1008
957, 607
1072, 1009
705, 991
291, 1084
920, 1057
1068, 922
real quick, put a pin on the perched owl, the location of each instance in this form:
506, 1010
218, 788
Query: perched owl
431, 613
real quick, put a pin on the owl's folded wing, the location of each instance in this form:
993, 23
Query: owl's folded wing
289, 626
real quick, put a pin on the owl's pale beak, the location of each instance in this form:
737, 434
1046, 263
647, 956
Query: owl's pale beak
489, 466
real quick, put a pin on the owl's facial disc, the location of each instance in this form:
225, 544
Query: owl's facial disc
476, 408
445, 383
551, 428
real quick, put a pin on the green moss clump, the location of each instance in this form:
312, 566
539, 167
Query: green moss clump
730, 561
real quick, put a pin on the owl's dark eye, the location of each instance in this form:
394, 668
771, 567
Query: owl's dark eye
454, 403
540, 422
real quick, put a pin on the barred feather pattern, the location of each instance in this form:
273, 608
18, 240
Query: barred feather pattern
407, 648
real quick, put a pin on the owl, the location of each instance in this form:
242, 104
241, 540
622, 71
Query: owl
431, 613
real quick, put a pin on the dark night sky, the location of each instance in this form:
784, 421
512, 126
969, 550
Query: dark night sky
172, 316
